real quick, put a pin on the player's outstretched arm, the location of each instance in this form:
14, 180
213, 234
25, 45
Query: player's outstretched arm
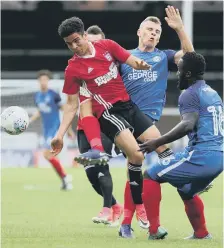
187, 125
137, 64
35, 116
174, 20
70, 131
70, 110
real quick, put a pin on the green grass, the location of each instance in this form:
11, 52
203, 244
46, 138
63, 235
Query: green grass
36, 214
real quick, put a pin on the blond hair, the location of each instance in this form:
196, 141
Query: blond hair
152, 19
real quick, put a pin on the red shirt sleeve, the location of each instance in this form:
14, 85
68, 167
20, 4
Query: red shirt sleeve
117, 51
71, 83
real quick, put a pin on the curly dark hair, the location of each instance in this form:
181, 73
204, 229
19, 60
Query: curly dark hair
94, 29
195, 63
44, 72
70, 26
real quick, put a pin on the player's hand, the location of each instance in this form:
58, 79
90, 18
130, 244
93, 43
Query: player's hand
173, 18
142, 65
56, 145
148, 146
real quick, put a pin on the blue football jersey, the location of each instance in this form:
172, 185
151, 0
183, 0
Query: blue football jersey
147, 88
208, 133
48, 103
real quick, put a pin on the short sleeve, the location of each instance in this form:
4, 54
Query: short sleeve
57, 99
170, 57
71, 83
117, 51
189, 102
35, 99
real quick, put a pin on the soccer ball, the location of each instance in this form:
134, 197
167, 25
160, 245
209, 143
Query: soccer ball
14, 120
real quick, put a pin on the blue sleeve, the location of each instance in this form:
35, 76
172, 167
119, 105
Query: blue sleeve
189, 102
35, 99
170, 57
57, 99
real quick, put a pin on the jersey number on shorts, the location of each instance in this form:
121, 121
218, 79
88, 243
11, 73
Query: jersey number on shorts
218, 118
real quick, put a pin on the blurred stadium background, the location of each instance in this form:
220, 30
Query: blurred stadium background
30, 42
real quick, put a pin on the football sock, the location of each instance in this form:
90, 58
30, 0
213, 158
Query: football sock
93, 174
92, 131
151, 197
98, 190
165, 153
135, 181
129, 206
58, 167
194, 209
106, 184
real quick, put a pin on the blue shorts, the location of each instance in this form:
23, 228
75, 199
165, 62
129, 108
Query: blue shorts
190, 172
47, 142
48, 136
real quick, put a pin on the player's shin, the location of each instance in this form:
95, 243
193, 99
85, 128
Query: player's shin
58, 167
92, 131
92, 174
151, 197
106, 185
135, 181
194, 209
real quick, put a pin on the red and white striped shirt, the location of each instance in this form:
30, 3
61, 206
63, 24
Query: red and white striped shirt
98, 75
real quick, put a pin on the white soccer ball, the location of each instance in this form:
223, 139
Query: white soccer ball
14, 120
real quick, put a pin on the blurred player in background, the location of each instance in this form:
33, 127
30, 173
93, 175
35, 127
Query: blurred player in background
201, 109
95, 33
49, 103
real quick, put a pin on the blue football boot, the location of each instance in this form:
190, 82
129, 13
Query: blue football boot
93, 157
126, 231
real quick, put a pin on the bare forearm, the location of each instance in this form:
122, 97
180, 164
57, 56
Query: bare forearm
186, 44
35, 116
68, 115
136, 63
179, 131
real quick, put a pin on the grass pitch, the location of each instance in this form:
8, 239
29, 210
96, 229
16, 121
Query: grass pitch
36, 214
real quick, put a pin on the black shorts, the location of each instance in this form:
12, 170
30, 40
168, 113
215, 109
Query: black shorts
84, 145
121, 116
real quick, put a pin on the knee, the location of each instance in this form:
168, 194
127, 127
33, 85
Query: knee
136, 158
47, 155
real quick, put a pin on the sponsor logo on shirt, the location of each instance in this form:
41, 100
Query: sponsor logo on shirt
47, 99
113, 73
147, 75
44, 108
